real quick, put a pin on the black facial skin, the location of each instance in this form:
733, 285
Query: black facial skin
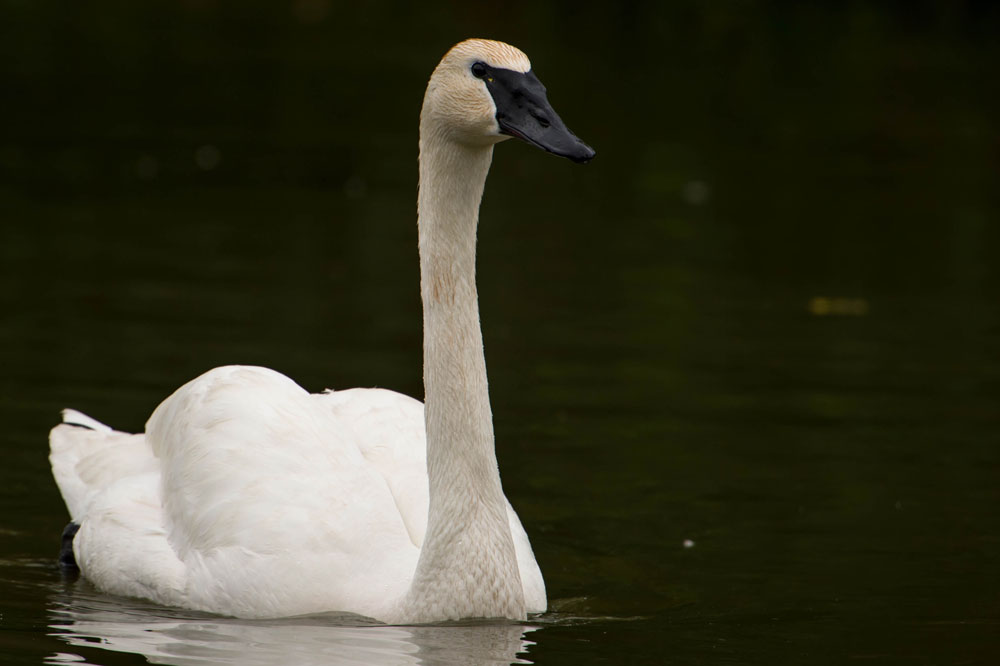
523, 111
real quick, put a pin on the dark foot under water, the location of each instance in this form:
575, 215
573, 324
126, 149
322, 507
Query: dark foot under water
67, 561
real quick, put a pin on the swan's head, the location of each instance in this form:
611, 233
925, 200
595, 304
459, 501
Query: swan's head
483, 92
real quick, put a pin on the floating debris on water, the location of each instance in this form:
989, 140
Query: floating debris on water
839, 306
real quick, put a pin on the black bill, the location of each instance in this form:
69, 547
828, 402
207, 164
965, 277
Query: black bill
523, 111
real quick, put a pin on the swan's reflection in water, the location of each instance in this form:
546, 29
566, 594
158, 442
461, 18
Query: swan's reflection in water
86, 620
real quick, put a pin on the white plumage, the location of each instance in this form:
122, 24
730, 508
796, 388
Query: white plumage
248, 496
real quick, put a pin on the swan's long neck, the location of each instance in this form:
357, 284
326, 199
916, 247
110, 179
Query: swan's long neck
467, 565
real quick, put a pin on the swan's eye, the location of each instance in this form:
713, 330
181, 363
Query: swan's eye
479, 70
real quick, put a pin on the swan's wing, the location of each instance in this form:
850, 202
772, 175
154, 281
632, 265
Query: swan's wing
249, 459
388, 429
270, 503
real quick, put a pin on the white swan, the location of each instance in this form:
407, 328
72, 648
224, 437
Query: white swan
247, 496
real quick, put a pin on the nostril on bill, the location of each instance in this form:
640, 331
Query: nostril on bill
542, 120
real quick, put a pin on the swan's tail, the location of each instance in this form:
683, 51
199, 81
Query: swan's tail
87, 456
73, 417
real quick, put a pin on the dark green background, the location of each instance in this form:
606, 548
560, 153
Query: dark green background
189, 184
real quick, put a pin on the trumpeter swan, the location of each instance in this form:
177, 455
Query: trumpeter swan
247, 496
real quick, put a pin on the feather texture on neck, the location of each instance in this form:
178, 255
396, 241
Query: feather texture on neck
467, 565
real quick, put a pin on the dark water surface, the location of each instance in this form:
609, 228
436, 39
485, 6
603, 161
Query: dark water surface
745, 366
